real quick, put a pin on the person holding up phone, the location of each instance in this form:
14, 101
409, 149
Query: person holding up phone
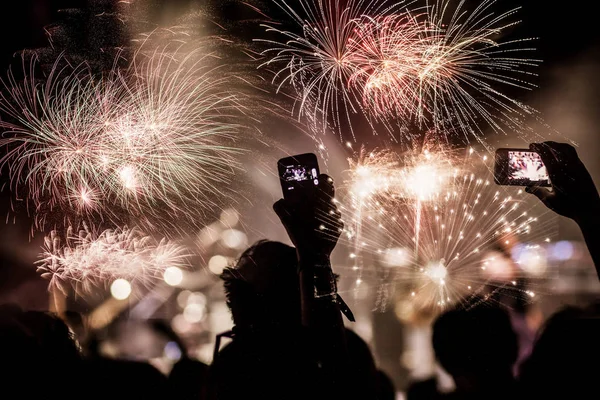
313, 222
572, 194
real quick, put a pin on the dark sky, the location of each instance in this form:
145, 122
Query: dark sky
565, 30
569, 45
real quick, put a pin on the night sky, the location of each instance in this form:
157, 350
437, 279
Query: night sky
569, 44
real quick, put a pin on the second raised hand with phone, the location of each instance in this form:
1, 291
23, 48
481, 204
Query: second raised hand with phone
520, 167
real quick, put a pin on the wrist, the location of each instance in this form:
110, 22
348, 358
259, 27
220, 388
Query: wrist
313, 260
325, 286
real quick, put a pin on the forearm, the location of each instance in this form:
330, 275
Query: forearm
320, 310
318, 291
590, 228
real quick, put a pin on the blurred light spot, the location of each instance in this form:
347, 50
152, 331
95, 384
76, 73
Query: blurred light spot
234, 239
209, 235
396, 257
531, 259
120, 289
230, 217
197, 298
172, 351
173, 276
194, 313
217, 263
497, 266
436, 271
563, 250
128, 178
182, 298
180, 324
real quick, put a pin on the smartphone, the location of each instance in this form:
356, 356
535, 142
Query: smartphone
520, 167
299, 176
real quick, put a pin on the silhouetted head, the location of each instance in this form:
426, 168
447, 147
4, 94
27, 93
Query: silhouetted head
476, 342
566, 354
36, 346
262, 288
41, 335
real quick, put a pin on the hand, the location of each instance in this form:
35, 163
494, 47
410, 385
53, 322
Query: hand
573, 193
314, 227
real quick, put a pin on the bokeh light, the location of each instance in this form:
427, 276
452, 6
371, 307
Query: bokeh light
217, 264
173, 276
120, 289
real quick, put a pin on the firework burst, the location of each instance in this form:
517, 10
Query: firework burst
154, 139
417, 175
461, 67
318, 62
442, 248
88, 260
439, 67
386, 53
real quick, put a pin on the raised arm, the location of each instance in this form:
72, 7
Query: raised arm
314, 227
573, 193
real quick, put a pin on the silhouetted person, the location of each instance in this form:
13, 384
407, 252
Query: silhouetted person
477, 347
564, 360
263, 295
263, 290
268, 356
288, 339
39, 357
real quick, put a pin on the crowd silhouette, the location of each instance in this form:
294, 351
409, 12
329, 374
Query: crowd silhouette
289, 340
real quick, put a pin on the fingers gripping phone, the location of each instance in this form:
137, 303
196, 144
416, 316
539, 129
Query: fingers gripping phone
299, 176
520, 167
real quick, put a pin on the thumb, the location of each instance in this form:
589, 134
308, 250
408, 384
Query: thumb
282, 210
544, 194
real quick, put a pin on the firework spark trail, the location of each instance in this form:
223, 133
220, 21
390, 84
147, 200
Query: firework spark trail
89, 260
466, 65
171, 124
318, 62
386, 53
389, 177
457, 228
441, 66
154, 138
